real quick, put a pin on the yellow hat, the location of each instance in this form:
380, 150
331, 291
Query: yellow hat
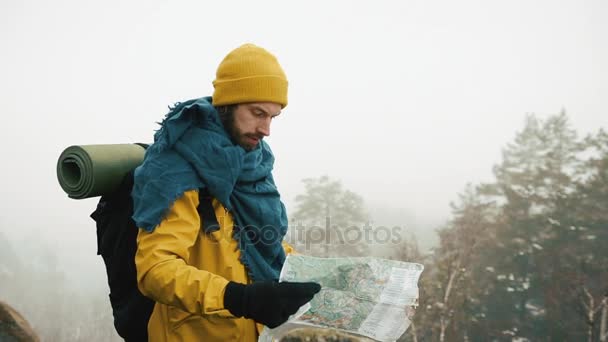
249, 73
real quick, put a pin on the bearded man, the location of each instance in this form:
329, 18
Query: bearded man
213, 272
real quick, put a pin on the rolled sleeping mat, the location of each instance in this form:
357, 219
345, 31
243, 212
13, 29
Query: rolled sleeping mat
85, 171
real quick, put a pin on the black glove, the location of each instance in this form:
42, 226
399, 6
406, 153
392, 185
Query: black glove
268, 302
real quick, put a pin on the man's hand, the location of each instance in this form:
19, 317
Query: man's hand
268, 302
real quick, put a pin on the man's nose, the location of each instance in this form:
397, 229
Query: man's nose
264, 127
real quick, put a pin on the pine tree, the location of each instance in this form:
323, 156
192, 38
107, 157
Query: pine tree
449, 290
575, 260
535, 175
329, 220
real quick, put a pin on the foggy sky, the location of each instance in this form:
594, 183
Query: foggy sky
404, 101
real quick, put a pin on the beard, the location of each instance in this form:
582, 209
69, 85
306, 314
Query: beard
236, 136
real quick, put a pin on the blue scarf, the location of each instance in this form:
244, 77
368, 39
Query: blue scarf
192, 150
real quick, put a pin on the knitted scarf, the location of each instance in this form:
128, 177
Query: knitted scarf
192, 150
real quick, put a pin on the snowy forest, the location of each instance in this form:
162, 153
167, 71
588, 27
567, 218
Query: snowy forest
522, 258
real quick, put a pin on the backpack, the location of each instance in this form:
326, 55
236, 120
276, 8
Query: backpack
117, 245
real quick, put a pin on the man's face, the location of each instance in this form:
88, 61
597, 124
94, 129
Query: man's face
251, 123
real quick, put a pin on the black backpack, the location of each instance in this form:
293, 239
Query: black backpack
117, 244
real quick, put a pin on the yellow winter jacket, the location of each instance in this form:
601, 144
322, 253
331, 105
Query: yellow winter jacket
186, 272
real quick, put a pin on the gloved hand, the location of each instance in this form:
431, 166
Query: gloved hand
268, 302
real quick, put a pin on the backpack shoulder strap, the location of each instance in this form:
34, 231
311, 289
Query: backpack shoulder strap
206, 211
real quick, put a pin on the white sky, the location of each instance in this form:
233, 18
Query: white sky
404, 101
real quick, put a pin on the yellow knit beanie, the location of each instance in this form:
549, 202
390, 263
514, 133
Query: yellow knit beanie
249, 73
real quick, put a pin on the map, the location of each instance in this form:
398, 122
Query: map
366, 296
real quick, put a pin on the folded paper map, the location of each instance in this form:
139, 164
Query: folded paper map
364, 296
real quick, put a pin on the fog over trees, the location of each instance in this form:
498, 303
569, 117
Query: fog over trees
524, 257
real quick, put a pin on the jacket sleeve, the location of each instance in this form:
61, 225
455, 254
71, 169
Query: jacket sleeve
162, 271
